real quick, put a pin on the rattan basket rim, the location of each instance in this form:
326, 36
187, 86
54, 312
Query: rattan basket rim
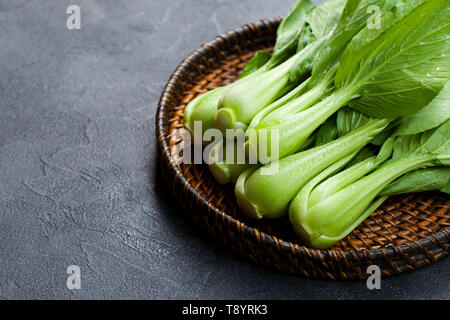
162, 123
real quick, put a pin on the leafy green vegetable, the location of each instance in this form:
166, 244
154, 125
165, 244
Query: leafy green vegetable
324, 18
354, 18
228, 170
401, 68
372, 55
240, 104
435, 113
364, 154
400, 147
313, 30
348, 120
268, 195
255, 63
323, 217
322, 22
372, 120
327, 132
446, 189
419, 181
225, 172
290, 30
287, 99
204, 107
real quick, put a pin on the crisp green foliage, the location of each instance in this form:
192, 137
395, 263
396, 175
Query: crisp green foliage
203, 109
434, 141
324, 18
256, 62
419, 181
322, 22
324, 214
261, 195
364, 154
372, 119
399, 69
289, 35
354, 18
348, 120
242, 103
435, 113
354, 75
327, 132
290, 31
446, 189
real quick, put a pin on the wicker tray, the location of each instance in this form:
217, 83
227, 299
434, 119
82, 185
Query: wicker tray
406, 233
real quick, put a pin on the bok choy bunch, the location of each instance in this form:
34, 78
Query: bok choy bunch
240, 104
323, 217
318, 26
329, 207
291, 37
382, 73
356, 110
386, 73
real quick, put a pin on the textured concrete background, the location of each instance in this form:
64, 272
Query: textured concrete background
78, 180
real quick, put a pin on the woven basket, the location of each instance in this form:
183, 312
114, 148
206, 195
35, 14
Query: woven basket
406, 233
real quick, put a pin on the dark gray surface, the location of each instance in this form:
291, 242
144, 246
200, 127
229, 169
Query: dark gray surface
78, 173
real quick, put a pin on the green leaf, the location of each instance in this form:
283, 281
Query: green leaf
349, 120
324, 19
258, 60
399, 69
381, 138
356, 13
327, 132
320, 25
431, 116
290, 29
439, 142
306, 37
354, 18
405, 146
364, 154
435, 141
419, 181
303, 64
268, 195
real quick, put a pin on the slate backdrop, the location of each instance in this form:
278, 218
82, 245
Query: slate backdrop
78, 173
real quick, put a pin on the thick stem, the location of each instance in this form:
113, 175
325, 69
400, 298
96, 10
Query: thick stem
293, 94
312, 96
242, 103
293, 130
269, 195
333, 216
340, 181
204, 107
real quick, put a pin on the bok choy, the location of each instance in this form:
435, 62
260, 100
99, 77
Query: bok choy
381, 73
353, 194
290, 38
323, 221
345, 113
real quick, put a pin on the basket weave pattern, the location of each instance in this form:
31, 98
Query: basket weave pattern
406, 233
